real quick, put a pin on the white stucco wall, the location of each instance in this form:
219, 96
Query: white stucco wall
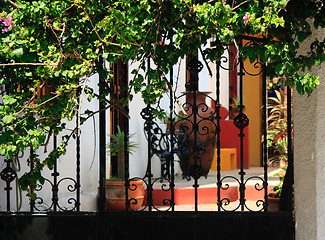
89, 154
309, 158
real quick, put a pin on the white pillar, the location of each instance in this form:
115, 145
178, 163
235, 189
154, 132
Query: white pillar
309, 158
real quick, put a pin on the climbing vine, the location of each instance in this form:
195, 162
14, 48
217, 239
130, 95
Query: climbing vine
49, 49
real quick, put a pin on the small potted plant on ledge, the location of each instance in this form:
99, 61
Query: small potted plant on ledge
274, 196
234, 109
115, 186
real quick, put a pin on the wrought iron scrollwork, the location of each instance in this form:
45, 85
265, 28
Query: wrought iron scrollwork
224, 203
42, 205
225, 61
194, 66
241, 121
199, 124
257, 65
39, 203
165, 187
260, 185
229, 205
147, 113
71, 187
8, 174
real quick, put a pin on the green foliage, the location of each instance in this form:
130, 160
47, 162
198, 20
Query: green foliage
61, 43
277, 132
116, 147
278, 188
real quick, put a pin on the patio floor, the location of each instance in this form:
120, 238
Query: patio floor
207, 191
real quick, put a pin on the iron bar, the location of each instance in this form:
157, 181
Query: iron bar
149, 172
172, 132
126, 163
8, 188
32, 201
290, 152
102, 154
192, 66
264, 134
55, 175
102, 143
241, 135
195, 147
78, 163
217, 107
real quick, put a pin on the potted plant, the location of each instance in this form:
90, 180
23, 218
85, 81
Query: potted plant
274, 196
235, 107
115, 186
277, 142
277, 133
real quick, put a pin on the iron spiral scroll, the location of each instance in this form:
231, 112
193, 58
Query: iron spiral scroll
148, 204
54, 204
231, 60
230, 181
198, 122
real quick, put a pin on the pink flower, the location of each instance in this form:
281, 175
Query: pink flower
8, 22
246, 18
223, 1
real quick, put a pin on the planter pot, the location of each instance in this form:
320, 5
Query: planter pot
274, 203
198, 161
115, 195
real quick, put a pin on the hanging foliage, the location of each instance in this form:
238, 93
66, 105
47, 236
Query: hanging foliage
49, 50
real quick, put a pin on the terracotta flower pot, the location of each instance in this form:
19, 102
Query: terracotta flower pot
199, 160
273, 202
115, 195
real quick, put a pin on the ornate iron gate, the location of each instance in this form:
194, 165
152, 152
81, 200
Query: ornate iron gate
190, 139
198, 129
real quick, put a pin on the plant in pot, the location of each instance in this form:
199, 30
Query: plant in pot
115, 186
277, 142
274, 196
277, 131
235, 107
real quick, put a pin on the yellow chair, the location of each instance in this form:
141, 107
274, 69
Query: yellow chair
228, 158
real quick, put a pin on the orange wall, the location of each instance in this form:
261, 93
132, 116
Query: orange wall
253, 102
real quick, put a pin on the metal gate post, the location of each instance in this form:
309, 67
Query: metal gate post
102, 158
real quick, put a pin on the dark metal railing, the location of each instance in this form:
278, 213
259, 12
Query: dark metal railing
241, 122
183, 140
